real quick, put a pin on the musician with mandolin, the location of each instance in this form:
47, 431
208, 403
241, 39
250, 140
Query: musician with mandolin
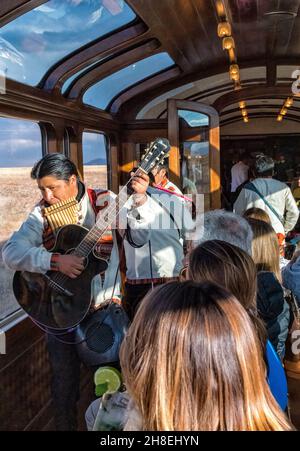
59, 275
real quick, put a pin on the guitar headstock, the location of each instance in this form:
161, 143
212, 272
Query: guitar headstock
155, 154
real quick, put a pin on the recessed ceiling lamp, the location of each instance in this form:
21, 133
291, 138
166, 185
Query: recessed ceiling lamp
242, 104
288, 102
224, 29
279, 117
245, 119
228, 43
234, 72
220, 8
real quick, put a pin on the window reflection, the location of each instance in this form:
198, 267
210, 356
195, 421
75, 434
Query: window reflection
20, 148
104, 91
95, 167
33, 42
194, 153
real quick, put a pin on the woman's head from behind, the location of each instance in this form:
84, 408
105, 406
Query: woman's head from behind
227, 265
192, 361
257, 213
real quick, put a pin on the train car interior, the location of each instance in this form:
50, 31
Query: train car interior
99, 80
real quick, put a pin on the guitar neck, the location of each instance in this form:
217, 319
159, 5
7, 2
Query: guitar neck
105, 220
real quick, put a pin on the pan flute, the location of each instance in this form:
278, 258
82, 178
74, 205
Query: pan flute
62, 213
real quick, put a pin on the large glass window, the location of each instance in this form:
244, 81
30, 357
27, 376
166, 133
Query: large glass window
95, 166
33, 42
69, 81
100, 94
20, 148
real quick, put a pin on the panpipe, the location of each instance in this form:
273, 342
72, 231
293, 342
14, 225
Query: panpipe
62, 213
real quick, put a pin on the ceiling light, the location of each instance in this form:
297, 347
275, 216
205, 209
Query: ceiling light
288, 102
228, 43
231, 54
245, 119
220, 8
279, 118
234, 72
283, 111
242, 104
224, 29
244, 112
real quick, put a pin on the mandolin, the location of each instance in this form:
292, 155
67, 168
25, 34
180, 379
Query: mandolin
53, 299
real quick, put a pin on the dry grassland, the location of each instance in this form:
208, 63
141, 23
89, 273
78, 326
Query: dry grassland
18, 195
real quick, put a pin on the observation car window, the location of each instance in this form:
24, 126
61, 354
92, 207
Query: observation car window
20, 148
100, 94
68, 82
95, 161
33, 42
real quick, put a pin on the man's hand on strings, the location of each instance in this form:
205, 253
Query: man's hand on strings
70, 265
139, 182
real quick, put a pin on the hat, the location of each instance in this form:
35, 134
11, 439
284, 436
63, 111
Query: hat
263, 163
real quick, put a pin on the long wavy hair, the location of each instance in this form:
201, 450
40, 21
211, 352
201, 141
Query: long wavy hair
192, 361
265, 247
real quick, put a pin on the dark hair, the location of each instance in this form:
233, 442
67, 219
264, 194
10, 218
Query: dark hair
56, 165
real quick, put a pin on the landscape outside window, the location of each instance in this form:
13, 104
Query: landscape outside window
20, 148
94, 152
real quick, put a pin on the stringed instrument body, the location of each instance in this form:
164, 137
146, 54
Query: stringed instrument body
52, 299
57, 301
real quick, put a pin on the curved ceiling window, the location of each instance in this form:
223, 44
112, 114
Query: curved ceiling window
33, 42
100, 94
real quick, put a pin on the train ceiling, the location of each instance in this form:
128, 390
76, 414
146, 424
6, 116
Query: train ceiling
181, 34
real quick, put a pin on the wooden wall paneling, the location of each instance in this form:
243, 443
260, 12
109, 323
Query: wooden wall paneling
173, 135
32, 103
128, 160
11, 9
114, 166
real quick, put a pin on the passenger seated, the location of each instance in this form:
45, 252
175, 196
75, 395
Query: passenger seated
227, 265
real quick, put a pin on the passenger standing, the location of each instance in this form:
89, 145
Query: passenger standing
154, 243
271, 304
271, 195
29, 249
239, 175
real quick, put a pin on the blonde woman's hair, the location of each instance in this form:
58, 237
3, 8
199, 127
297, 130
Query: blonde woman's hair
257, 213
192, 361
265, 247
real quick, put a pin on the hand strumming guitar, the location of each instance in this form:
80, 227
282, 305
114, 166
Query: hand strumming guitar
70, 265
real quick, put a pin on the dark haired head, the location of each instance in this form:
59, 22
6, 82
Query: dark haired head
55, 165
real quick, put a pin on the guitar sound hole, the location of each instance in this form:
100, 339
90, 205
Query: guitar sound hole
99, 338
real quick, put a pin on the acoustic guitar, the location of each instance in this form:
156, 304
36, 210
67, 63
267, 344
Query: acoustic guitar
56, 301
